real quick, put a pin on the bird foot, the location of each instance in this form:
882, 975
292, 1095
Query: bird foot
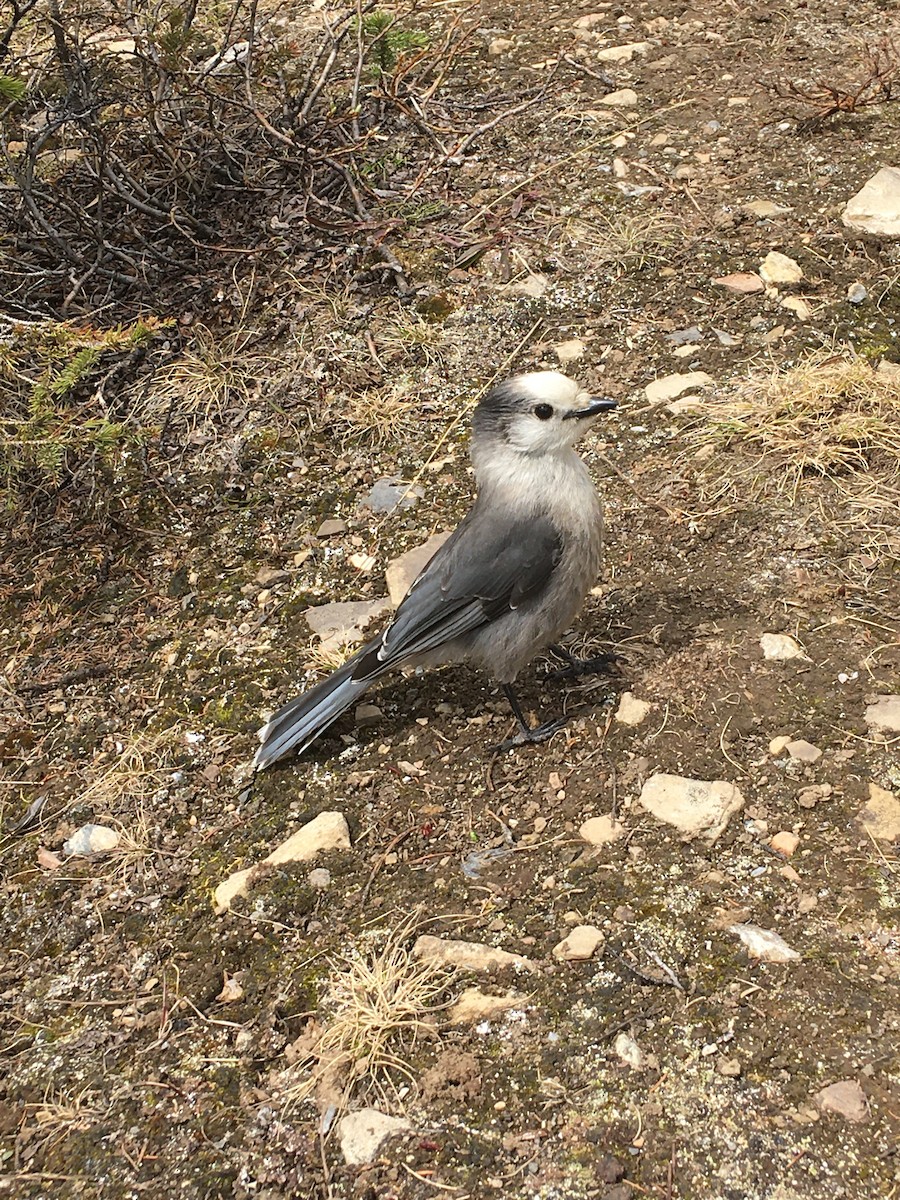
604, 663
526, 736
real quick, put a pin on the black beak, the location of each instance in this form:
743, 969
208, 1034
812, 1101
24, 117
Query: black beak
598, 404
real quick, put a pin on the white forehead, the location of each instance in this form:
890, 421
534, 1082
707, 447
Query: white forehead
551, 387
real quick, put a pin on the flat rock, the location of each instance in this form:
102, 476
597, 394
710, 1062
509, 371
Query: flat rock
809, 797
876, 206
361, 1134
344, 621
532, 286
780, 647
668, 387
631, 710
803, 751
764, 944
845, 1098
778, 268
623, 98
331, 528
579, 945
779, 744
687, 404
884, 714
475, 1005
629, 1052
765, 208
600, 831
881, 816
386, 495
798, 306
367, 714
468, 956
694, 806
327, 831
499, 46
742, 283
91, 839
622, 54
570, 350
784, 843
404, 570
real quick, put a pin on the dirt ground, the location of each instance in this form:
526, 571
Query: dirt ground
143, 647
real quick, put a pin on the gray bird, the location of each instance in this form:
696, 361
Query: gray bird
509, 579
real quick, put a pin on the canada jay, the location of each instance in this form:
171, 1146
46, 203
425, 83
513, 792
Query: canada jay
509, 579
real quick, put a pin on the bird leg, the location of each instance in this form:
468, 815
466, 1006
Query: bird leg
600, 664
526, 734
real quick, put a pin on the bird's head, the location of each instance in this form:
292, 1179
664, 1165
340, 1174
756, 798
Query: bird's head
543, 412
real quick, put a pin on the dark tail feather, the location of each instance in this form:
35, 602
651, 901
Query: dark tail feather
303, 719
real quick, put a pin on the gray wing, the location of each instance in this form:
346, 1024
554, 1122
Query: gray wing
487, 568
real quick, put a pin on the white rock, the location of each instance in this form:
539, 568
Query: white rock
622, 54
500, 46
475, 1005
403, 571
884, 714
765, 208
778, 745
579, 945
846, 1098
631, 710
780, 647
778, 268
319, 879
361, 1134
694, 806
533, 286
569, 351
468, 956
91, 839
857, 293
600, 831
803, 751
629, 1052
798, 306
589, 20
881, 816
670, 386
876, 207
687, 404
327, 831
624, 98
343, 622
743, 283
764, 944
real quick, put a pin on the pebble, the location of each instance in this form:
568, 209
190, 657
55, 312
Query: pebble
765, 208
570, 350
600, 831
694, 806
405, 569
743, 283
499, 46
468, 956
631, 710
778, 745
533, 287
319, 879
780, 647
730, 1067
622, 54
881, 816
764, 944
579, 945
856, 293
778, 268
327, 831
91, 839
624, 98
785, 843
668, 387
798, 306
475, 1005
803, 751
845, 1098
629, 1052
362, 1133
876, 206
809, 797
390, 493
331, 528
884, 714
343, 621
367, 714
684, 337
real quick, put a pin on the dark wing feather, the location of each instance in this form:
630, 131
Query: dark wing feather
488, 567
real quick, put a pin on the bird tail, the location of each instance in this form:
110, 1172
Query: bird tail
304, 718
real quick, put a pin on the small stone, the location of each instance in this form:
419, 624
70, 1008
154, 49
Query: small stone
729, 1067
809, 797
404, 570
367, 714
742, 283
579, 945
668, 387
390, 494
884, 714
570, 351
468, 956
342, 622
856, 293
361, 1134
765, 208
600, 831
91, 839
778, 268
631, 711
620, 168
725, 339
845, 1098
778, 745
231, 990
331, 528
785, 843
798, 306
685, 337
319, 879
764, 944
269, 577
589, 20
362, 562
622, 54
881, 816
780, 647
533, 286
694, 806
629, 1052
806, 903
624, 98
803, 751
475, 1005
500, 46
876, 207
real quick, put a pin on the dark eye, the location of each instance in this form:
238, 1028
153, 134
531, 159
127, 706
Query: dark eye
543, 412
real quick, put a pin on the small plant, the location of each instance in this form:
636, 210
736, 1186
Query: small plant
387, 42
878, 82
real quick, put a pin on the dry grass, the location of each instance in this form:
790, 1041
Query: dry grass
831, 415
327, 657
379, 416
380, 1004
623, 239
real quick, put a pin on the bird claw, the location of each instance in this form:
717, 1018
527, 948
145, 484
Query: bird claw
601, 664
529, 737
